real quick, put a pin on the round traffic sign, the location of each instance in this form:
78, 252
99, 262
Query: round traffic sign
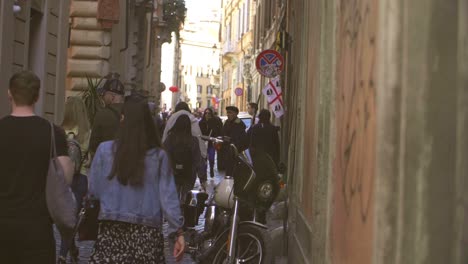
239, 91
269, 63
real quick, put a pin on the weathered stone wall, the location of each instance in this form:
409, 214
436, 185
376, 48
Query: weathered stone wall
90, 45
376, 120
36, 39
421, 140
354, 164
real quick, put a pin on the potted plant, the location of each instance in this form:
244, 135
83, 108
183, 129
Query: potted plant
91, 97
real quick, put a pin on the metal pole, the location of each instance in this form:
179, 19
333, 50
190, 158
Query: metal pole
233, 234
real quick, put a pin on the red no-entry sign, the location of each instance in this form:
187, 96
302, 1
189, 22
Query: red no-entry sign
269, 63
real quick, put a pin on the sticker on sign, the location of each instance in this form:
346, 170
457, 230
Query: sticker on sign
239, 91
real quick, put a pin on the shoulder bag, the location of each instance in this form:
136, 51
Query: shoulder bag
60, 200
88, 226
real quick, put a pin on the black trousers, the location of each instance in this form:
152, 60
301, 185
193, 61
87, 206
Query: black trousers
24, 241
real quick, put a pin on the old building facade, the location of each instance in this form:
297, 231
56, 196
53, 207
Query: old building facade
199, 65
237, 50
66, 41
116, 36
270, 22
34, 36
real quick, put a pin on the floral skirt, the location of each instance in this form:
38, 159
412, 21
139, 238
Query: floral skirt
126, 243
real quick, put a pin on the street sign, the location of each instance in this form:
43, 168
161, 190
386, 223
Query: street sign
269, 63
273, 93
239, 91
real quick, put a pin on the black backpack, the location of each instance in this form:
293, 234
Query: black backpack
182, 162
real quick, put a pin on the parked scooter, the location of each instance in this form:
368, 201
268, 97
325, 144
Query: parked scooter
234, 230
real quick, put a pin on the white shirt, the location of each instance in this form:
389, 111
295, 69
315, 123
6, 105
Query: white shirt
196, 132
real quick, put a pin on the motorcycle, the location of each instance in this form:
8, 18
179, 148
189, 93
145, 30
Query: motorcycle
234, 230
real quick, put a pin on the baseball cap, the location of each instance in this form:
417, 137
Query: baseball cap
112, 84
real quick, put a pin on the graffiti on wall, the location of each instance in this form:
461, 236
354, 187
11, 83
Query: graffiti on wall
356, 131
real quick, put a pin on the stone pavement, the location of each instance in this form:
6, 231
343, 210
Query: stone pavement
86, 247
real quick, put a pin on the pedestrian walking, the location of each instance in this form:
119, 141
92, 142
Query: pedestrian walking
77, 130
210, 126
107, 120
219, 152
26, 234
185, 156
133, 179
182, 108
158, 122
76, 125
234, 129
264, 137
252, 109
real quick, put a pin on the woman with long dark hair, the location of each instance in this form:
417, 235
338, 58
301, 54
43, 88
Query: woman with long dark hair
210, 126
184, 151
133, 179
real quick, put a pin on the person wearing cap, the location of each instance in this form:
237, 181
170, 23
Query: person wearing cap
234, 129
107, 120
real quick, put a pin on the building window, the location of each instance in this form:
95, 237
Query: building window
239, 24
228, 30
241, 19
257, 27
209, 89
208, 103
247, 16
199, 89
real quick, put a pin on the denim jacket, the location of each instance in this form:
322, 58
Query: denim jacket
142, 205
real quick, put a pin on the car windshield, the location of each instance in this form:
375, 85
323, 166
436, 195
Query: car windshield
247, 121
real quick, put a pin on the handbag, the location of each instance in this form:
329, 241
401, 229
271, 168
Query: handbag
61, 202
87, 226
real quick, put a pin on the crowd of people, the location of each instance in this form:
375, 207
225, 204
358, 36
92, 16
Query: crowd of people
137, 161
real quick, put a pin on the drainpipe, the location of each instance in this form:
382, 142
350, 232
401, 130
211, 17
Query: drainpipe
243, 58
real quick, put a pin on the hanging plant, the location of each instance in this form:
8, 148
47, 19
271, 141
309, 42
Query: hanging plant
174, 12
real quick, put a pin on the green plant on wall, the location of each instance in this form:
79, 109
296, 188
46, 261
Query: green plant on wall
91, 97
174, 12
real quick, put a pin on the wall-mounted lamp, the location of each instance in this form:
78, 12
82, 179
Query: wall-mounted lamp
16, 8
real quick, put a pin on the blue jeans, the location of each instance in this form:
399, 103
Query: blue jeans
80, 188
211, 157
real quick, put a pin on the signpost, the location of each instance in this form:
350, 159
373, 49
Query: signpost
269, 63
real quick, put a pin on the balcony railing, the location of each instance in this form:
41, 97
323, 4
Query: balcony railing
229, 47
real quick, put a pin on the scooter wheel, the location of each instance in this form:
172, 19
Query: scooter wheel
252, 246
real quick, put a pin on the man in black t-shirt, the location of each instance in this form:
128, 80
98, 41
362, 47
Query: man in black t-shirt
26, 234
